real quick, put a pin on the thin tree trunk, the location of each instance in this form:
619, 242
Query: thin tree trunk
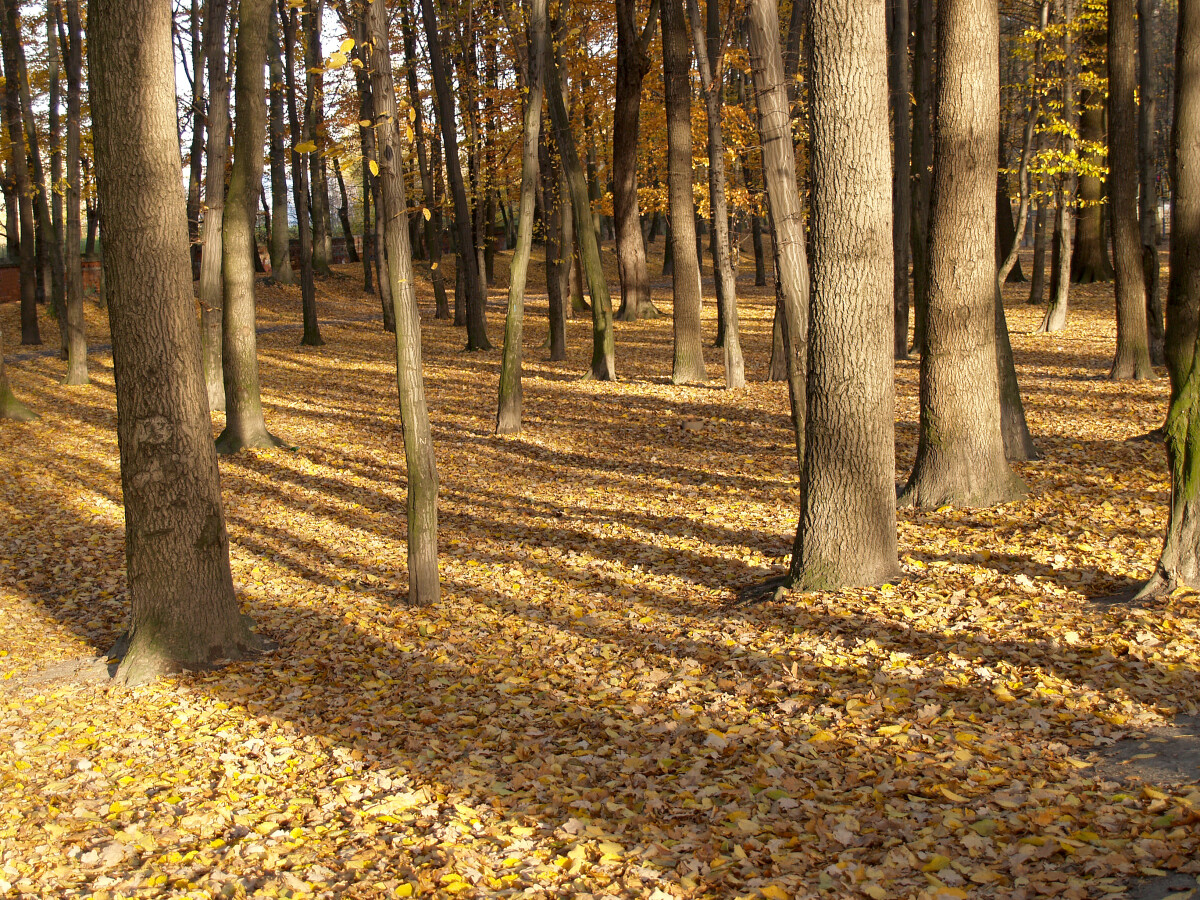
196, 154
960, 448
688, 363
210, 289
19, 167
281, 250
76, 333
315, 132
900, 84
735, 367
924, 37
183, 611
847, 529
508, 415
344, 214
1037, 280
244, 423
1132, 357
1089, 257
1055, 318
54, 133
556, 289
476, 298
424, 586
1148, 216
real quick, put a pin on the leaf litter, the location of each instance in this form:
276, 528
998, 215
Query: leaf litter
590, 711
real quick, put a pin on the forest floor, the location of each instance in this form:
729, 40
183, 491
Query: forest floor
590, 710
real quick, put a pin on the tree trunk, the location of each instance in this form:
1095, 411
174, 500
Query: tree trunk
960, 449
76, 333
214, 202
300, 193
244, 424
1132, 358
1179, 562
1148, 194
707, 54
314, 129
432, 229
556, 273
281, 252
476, 298
603, 367
847, 529
344, 214
1060, 261
196, 154
1089, 258
54, 185
900, 85
10, 407
688, 364
19, 167
783, 203
183, 608
423, 583
1037, 280
924, 32
633, 62
508, 415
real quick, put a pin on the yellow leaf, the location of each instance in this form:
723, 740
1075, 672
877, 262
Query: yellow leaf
306, 147
337, 60
950, 795
427, 213
374, 167
364, 123
821, 736
403, 890
936, 863
347, 45
775, 892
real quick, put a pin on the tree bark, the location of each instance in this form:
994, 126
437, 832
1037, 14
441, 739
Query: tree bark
707, 54
556, 273
183, 609
783, 203
508, 414
281, 250
424, 586
1148, 194
19, 167
1037, 280
1179, 562
960, 449
10, 407
1132, 358
688, 363
210, 289
1060, 262
847, 529
603, 367
314, 127
244, 423
344, 213
73, 269
476, 298
900, 85
925, 33
1089, 257
196, 154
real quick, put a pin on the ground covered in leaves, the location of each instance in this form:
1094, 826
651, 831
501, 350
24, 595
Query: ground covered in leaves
592, 710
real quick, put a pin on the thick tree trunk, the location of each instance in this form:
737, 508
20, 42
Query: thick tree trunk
925, 35
183, 608
900, 85
73, 269
314, 127
1132, 358
508, 414
10, 407
633, 62
783, 203
210, 289
1147, 192
1179, 562
433, 232
308, 291
424, 586
244, 424
1089, 257
281, 253
603, 367
960, 449
688, 363
847, 529
476, 298
18, 165
728, 337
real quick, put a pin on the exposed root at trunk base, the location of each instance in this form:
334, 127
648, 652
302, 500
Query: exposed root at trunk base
231, 442
142, 660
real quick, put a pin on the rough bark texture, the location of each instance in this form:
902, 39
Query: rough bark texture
424, 586
783, 203
847, 530
1147, 192
1132, 358
556, 273
1089, 254
476, 298
244, 424
960, 450
314, 125
603, 367
508, 414
281, 254
73, 237
1064, 190
216, 155
183, 608
1037, 279
633, 62
10, 407
728, 337
19, 167
688, 362
900, 85
1179, 562
924, 32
